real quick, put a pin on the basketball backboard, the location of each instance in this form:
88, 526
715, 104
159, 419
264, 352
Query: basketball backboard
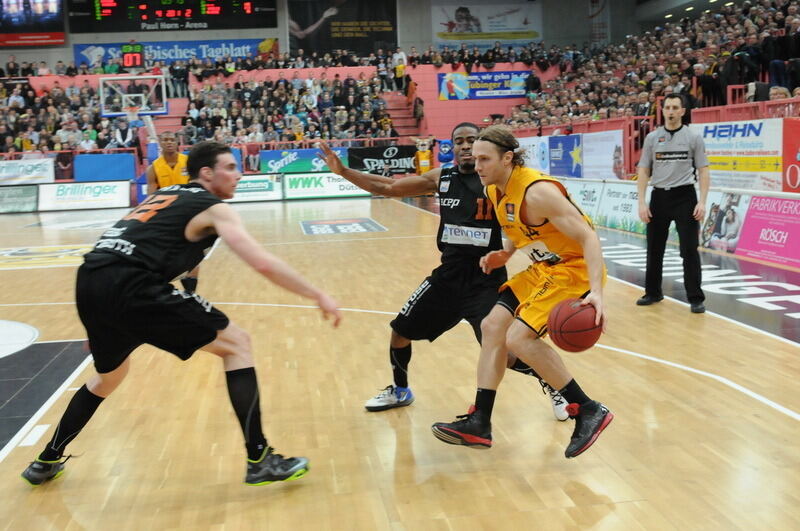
146, 93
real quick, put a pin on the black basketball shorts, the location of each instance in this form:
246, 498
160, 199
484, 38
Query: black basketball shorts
123, 307
446, 297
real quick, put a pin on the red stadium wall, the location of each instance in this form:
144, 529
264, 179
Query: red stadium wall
40, 83
441, 116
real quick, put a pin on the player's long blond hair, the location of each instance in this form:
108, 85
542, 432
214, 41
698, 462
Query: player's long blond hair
503, 139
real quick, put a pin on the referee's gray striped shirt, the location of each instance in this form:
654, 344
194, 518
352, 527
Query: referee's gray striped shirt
673, 156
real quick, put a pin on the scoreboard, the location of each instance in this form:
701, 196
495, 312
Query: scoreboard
133, 55
113, 16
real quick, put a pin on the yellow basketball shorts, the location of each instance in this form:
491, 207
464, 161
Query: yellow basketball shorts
540, 287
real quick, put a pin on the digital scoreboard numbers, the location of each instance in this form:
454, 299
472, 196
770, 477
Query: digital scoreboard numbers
133, 55
112, 16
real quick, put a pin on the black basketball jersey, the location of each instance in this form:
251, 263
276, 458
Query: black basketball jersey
468, 228
152, 236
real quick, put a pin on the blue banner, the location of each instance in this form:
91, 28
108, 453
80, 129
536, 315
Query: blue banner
482, 85
566, 156
105, 167
296, 160
168, 51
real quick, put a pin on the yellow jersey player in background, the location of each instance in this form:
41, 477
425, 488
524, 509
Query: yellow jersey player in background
167, 170
538, 218
170, 167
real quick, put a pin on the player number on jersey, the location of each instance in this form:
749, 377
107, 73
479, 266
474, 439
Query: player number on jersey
150, 207
484, 210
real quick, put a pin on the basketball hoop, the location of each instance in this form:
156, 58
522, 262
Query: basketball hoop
132, 112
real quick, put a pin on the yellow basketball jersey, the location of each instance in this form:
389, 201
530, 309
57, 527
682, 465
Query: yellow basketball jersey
541, 243
167, 175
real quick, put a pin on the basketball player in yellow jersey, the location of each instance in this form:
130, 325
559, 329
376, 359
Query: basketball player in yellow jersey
167, 170
170, 167
538, 218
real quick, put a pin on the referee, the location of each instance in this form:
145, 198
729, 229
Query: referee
672, 158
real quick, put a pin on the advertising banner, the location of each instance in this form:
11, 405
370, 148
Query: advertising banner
537, 152
619, 208
771, 228
28, 171
511, 23
586, 195
18, 199
319, 185
746, 154
566, 157
602, 155
791, 155
397, 159
30, 23
482, 85
297, 160
258, 188
93, 167
169, 51
76, 196
360, 26
725, 218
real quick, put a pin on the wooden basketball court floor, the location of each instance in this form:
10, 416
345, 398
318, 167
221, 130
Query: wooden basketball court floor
705, 436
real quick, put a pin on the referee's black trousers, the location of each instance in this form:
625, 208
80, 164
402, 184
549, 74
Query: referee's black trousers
675, 204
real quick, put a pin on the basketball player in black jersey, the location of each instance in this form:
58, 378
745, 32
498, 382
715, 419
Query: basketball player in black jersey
457, 289
125, 299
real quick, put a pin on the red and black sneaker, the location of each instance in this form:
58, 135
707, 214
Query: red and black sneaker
472, 430
591, 419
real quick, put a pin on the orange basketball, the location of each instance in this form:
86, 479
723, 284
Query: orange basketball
571, 326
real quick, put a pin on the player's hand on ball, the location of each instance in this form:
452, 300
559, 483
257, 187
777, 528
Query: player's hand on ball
596, 300
491, 261
330, 308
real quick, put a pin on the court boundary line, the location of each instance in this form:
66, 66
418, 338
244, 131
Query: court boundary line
715, 314
25, 429
217, 244
667, 297
306, 242
721, 379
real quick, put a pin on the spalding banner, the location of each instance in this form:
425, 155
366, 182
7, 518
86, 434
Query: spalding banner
397, 159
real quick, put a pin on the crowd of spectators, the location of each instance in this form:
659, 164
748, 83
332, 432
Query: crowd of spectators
696, 58
289, 109
57, 123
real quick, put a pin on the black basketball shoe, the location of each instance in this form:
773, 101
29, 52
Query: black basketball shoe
591, 419
274, 467
472, 430
40, 471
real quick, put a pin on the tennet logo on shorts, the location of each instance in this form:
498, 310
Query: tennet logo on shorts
732, 130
